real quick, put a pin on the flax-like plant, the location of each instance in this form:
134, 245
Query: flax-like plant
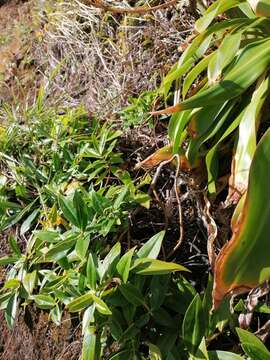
223, 86
225, 83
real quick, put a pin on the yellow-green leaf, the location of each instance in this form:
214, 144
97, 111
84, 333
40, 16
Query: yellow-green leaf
247, 140
147, 266
260, 7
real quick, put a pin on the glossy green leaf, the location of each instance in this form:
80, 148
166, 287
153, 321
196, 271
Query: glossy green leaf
88, 318
68, 209
152, 247
29, 281
14, 245
132, 294
80, 210
89, 344
251, 63
91, 272
101, 305
123, 265
12, 284
193, 327
223, 56
146, 266
11, 310
58, 251
6, 260
201, 353
215, 9
223, 355
247, 139
208, 129
211, 159
252, 346
28, 221
195, 72
243, 262
108, 265
56, 315
154, 352
80, 302
260, 7
44, 301
82, 246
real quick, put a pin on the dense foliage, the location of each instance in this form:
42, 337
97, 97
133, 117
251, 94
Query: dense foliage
66, 197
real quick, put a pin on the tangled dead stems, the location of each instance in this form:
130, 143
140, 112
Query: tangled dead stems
137, 10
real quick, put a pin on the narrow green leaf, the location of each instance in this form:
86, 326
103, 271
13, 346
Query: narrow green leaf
91, 272
223, 355
215, 9
246, 144
80, 303
195, 72
251, 63
152, 247
243, 262
56, 315
89, 344
11, 310
146, 266
252, 346
80, 210
101, 305
66, 205
193, 327
82, 246
223, 56
14, 245
6, 260
132, 294
123, 265
108, 265
88, 318
44, 301
28, 221
29, 281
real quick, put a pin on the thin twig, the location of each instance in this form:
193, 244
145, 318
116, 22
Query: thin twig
138, 10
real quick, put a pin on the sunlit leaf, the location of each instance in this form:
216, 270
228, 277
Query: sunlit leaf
152, 247
260, 7
123, 265
253, 60
44, 301
146, 266
247, 140
89, 344
243, 262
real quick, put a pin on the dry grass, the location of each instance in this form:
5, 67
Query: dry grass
102, 59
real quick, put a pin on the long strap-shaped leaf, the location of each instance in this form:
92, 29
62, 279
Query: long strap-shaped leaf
260, 7
244, 262
247, 139
251, 63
